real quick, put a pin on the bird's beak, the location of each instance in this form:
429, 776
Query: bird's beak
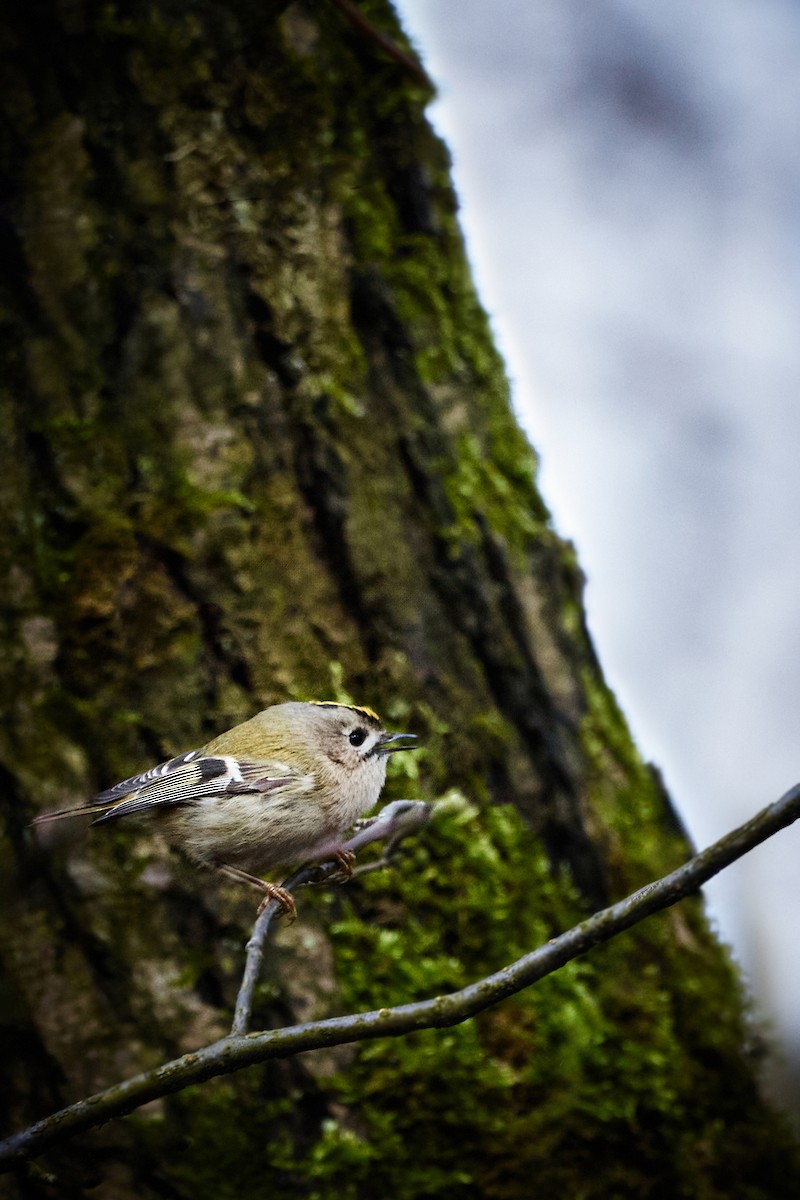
390, 743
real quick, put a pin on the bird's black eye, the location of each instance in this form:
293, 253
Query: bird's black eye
358, 737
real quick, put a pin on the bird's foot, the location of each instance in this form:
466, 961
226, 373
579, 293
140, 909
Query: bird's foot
274, 891
345, 859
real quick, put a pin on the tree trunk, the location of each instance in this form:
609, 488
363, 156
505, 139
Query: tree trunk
257, 445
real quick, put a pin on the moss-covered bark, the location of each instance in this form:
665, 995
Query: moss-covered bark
256, 444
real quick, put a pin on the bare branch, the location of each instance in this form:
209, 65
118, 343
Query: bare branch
394, 822
255, 947
233, 1053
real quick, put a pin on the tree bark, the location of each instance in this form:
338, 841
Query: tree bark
257, 445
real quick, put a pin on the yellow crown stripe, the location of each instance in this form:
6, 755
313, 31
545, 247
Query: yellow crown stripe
369, 713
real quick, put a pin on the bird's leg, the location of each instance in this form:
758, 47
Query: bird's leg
272, 891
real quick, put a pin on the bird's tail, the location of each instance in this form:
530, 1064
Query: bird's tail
82, 810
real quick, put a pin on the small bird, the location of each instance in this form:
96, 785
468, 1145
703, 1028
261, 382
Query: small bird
278, 789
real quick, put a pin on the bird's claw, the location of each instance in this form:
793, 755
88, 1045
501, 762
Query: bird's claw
273, 891
345, 859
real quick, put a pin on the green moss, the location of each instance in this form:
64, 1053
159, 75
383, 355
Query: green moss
644, 840
595, 1064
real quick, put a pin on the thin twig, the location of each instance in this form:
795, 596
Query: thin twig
394, 822
233, 1053
255, 948
357, 19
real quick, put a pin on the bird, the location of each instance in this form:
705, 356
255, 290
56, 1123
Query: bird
280, 788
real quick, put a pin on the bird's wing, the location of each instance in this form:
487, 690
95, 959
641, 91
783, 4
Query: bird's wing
182, 780
164, 771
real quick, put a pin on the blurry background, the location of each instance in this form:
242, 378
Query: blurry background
630, 182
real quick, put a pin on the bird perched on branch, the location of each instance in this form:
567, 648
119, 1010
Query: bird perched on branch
280, 788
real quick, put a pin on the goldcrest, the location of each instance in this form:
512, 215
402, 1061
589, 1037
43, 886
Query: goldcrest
279, 789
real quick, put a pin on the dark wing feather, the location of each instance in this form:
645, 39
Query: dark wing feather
191, 777
182, 780
120, 790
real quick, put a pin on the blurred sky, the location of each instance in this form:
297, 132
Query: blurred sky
630, 182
